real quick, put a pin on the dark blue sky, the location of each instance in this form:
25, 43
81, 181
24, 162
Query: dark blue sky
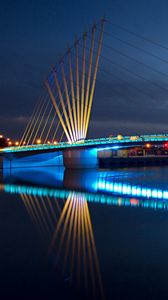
33, 36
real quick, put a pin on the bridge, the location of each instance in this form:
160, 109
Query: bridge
82, 154
65, 109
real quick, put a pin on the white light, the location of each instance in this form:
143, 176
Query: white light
154, 193
149, 193
144, 192
165, 194
108, 186
115, 187
138, 191
159, 194
119, 187
134, 191
124, 189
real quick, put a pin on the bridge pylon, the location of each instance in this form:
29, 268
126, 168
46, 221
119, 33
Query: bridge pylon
71, 88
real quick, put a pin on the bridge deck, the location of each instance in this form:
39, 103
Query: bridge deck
98, 143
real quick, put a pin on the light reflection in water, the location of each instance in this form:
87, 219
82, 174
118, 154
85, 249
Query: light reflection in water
100, 197
60, 212
72, 244
122, 183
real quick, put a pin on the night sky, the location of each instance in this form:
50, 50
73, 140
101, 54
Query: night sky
34, 34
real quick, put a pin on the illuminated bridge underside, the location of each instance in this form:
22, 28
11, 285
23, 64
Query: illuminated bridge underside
74, 155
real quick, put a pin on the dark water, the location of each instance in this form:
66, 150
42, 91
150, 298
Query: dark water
84, 235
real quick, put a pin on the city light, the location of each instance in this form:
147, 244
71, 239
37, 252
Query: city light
38, 141
119, 137
148, 145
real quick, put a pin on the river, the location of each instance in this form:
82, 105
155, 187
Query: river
84, 234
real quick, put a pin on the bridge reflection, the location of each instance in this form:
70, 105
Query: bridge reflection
72, 245
128, 188
63, 217
57, 202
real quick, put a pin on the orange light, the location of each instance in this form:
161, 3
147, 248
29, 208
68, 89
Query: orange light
134, 138
55, 142
38, 141
1, 136
16, 143
48, 142
148, 145
134, 201
119, 137
9, 143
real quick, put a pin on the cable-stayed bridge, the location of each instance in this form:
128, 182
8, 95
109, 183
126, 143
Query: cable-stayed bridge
58, 128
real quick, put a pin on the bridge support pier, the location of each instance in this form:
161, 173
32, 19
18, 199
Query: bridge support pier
80, 158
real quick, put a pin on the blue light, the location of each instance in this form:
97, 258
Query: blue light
108, 186
115, 187
101, 185
144, 192
111, 186
148, 192
128, 189
160, 194
165, 194
124, 188
108, 148
138, 191
134, 191
154, 193
119, 188
94, 186
101, 198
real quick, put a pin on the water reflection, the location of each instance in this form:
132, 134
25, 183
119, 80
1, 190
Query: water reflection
57, 202
140, 187
66, 223
72, 245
